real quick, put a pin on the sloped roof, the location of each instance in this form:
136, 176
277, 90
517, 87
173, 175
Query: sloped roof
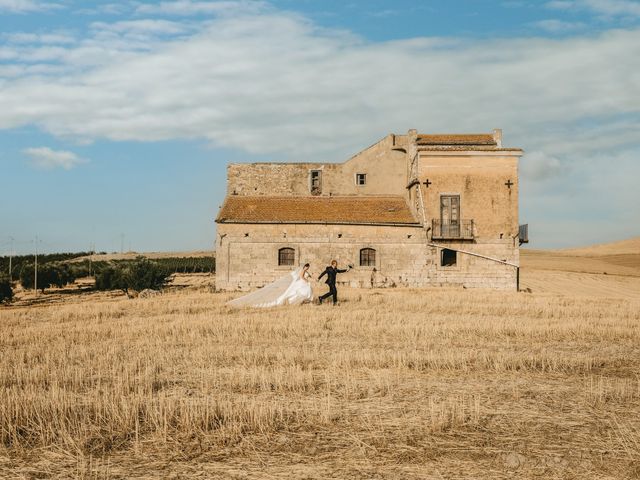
373, 210
457, 139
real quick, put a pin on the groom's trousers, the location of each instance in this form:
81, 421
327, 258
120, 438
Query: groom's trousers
333, 291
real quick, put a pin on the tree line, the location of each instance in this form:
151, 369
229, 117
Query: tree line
125, 275
18, 261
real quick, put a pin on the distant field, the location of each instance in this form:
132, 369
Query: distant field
631, 246
152, 255
398, 383
590, 271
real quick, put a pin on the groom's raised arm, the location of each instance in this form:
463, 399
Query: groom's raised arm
322, 274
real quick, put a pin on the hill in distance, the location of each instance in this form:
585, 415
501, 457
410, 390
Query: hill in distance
611, 269
623, 247
151, 255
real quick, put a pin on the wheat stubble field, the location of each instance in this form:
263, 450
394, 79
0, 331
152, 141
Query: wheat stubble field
393, 383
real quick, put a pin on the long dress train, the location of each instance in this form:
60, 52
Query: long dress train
287, 290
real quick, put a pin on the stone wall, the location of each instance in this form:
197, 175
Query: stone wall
479, 178
384, 163
472, 271
247, 256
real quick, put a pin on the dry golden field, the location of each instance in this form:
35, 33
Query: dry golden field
440, 383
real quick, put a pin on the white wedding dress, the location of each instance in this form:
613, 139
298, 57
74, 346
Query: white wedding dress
288, 290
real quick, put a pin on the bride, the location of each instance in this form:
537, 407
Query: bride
292, 289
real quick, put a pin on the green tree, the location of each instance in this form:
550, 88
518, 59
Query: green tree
6, 292
111, 278
144, 273
137, 275
49, 275
62, 275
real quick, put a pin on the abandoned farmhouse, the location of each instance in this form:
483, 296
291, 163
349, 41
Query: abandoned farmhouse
411, 210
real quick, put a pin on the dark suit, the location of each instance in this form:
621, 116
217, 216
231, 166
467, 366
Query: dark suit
331, 273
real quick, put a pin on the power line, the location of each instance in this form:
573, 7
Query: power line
13, 241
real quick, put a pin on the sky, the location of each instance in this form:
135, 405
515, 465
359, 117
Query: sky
117, 120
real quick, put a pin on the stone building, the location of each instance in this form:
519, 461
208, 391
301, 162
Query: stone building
411, 210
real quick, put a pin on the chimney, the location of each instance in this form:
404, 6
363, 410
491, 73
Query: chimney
497, 136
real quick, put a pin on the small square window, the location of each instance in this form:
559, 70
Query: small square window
448, 258
361, 178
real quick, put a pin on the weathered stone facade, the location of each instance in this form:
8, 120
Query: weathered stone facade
460, 226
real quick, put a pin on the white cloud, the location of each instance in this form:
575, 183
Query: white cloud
255, 82
273, 83
150, 26
558, 26
13, 71
591, 201
606, 8
190, 7
23, 6
35, 38
106, 9
48, 159
541, 166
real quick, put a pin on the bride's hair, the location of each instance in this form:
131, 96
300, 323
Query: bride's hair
306, 265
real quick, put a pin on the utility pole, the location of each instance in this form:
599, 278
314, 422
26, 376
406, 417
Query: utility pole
35, 279
10, 260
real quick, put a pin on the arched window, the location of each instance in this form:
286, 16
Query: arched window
286, 256
367, 257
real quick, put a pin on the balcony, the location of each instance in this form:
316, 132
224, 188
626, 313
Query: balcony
460, 230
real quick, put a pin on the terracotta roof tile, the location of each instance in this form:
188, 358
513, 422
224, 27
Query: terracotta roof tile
457, 139
387, 210
465, 148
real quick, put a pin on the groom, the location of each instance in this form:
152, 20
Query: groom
331, 273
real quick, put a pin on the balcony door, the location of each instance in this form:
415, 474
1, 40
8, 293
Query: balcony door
450, 215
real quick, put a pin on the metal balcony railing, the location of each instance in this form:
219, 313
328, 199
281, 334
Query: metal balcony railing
460, 230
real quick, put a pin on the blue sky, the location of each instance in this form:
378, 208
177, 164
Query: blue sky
117, 120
